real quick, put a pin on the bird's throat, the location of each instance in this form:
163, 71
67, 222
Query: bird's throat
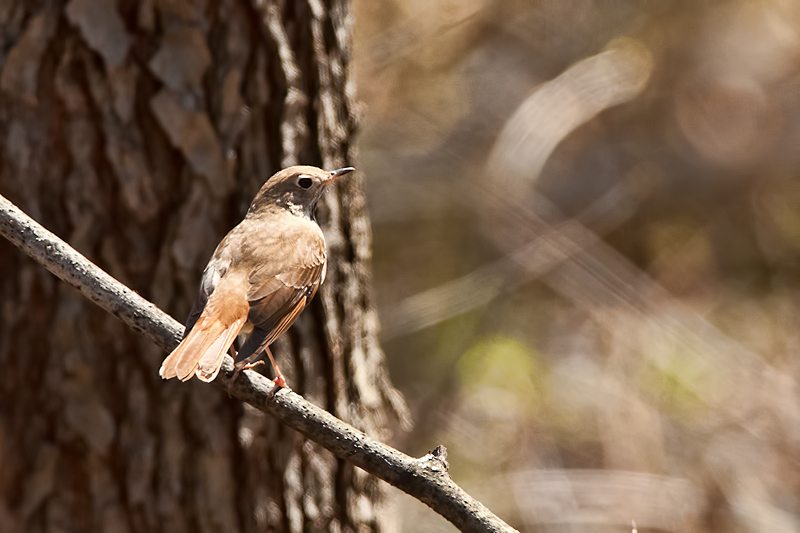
300, 210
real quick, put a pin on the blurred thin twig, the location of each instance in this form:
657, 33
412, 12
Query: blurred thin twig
530, 262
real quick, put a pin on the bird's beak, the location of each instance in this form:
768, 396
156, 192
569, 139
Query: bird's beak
338, 174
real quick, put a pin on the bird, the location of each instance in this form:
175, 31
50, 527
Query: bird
260, 278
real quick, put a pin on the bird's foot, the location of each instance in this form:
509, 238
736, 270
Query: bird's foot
280, 383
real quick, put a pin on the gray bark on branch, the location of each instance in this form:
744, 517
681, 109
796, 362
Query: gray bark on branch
426, 478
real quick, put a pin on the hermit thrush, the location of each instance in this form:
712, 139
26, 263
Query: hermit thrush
260, 278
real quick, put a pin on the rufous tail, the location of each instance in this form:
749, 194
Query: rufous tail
202, 351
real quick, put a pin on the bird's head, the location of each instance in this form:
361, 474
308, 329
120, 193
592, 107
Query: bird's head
296, 188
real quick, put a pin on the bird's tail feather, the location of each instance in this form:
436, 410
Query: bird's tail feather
202, 351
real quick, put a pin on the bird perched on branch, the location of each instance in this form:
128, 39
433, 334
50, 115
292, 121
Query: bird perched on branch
260, 278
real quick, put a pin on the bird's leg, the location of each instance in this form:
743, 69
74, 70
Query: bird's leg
280, 380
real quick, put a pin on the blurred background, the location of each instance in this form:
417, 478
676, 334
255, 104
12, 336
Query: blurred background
586, 220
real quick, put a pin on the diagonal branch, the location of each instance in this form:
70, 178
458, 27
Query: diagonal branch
426, 478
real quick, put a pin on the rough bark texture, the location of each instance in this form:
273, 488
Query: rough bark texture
139, 132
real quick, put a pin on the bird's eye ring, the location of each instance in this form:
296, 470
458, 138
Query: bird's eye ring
305, 182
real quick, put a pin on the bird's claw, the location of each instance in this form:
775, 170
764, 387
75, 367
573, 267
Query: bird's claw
280, 383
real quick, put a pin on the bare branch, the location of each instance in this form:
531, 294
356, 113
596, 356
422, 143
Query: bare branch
426, 478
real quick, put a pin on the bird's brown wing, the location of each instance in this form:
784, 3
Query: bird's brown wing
277, 298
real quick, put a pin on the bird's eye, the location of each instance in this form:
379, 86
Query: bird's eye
305, 182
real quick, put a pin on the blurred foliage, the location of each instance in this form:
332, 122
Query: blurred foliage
587, 246
505, 364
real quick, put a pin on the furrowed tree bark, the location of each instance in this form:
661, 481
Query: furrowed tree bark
140, 131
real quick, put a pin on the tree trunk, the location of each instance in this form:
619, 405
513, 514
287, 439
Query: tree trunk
139, 132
